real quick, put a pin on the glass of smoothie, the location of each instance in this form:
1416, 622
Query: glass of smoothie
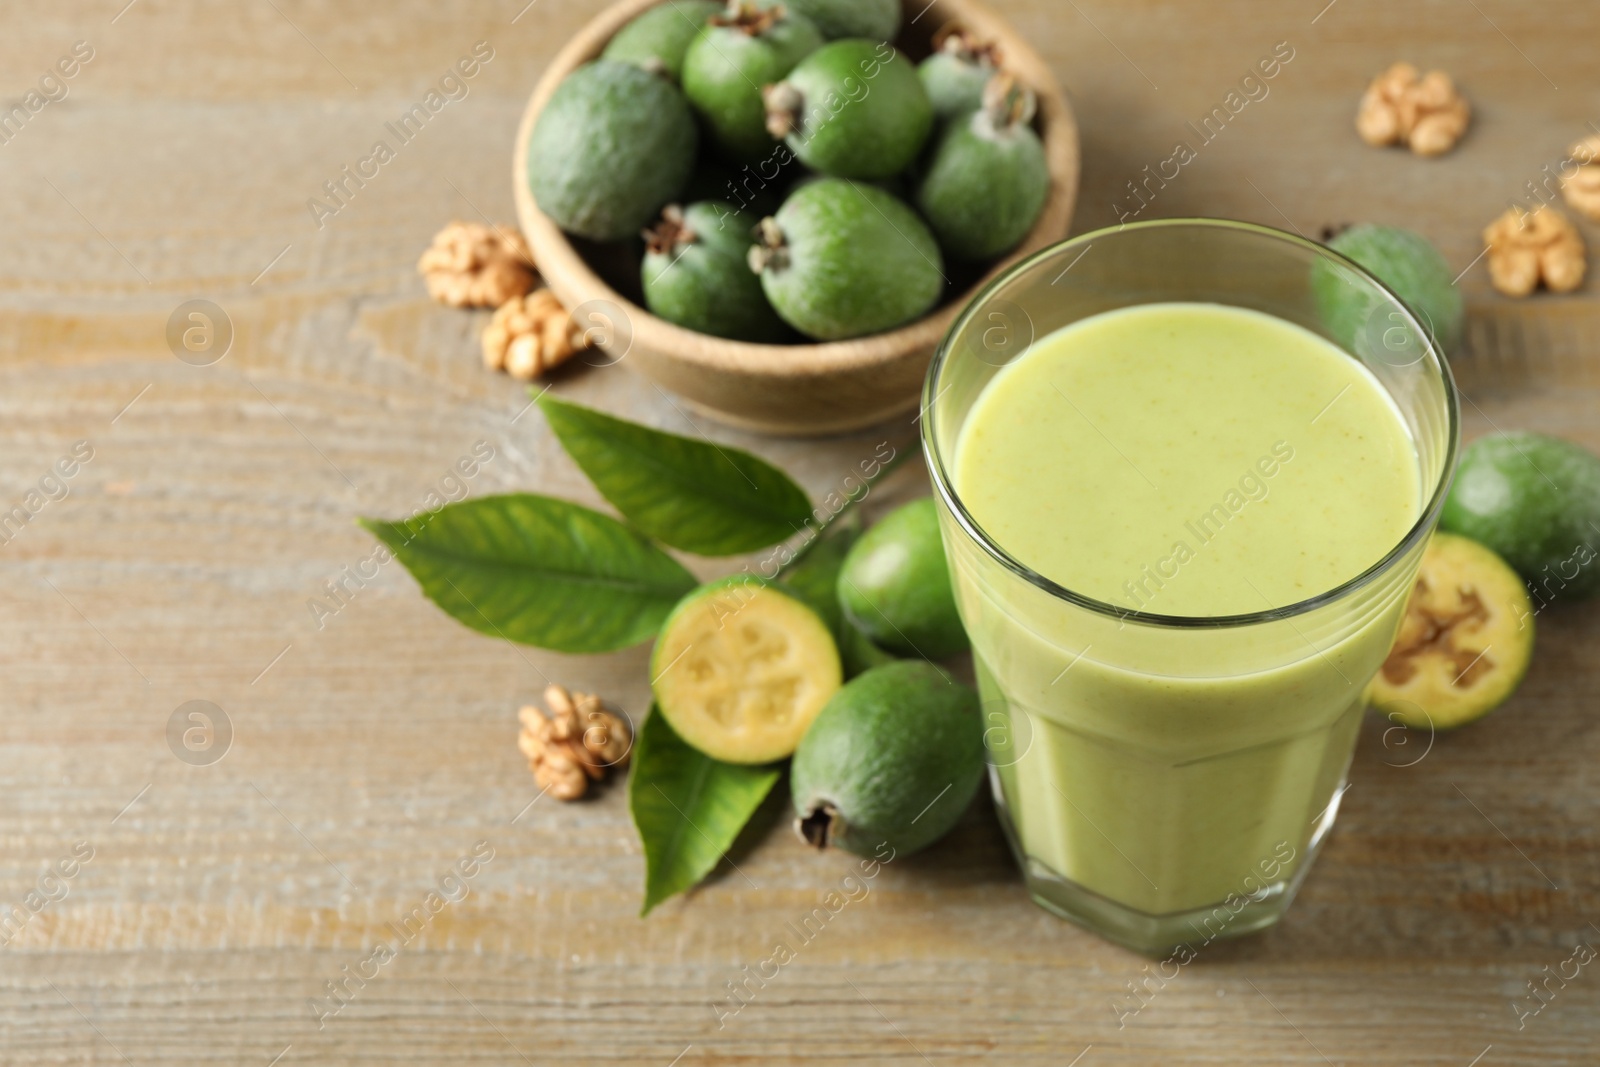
1186, 472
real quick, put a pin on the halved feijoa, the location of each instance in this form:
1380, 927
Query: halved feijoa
741, 669
891, 763
1464, 643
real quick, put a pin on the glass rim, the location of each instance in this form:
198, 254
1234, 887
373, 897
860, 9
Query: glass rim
942, 483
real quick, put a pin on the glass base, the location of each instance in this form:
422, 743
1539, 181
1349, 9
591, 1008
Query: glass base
1159, 935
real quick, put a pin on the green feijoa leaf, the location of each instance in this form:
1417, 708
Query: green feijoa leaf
696, 496
688, 807
539, 571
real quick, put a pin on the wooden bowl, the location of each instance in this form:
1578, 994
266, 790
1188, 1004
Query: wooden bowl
806, 389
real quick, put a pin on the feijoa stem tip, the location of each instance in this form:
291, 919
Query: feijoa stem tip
671, 232
773, 251
1008, 103
816, 827
750, 18
956, 40
784, 103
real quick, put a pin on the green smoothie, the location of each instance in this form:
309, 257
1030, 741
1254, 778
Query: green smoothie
1188, 460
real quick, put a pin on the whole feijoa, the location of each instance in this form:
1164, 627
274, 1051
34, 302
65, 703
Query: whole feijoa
1535, 500
611, 148
1407, 263
890, 763
750, 45
658, 39
878, 19
987, 180
841, 259
852, 109
957, 73
895, 585
696, 274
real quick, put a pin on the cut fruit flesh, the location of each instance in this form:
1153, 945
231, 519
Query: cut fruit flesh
741, 669
1464, 643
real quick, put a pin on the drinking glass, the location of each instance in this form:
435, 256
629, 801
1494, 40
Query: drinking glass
1166, 781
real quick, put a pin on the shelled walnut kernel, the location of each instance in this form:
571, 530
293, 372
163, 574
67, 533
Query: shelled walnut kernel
1526, 247
530, 335
574, 744
473, 265
1582, 186
1401, 106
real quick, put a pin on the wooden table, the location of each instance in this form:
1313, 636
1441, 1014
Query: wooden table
370, 753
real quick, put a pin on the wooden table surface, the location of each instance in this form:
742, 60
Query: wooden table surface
373, 750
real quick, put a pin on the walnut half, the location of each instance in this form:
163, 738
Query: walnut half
530, 335
573, 745
1582, 186
1401, 106
1526, 247
473, 265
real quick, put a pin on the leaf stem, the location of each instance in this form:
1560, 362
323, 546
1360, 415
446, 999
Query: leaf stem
847, 509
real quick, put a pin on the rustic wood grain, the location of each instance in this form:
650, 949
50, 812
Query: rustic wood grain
378, 749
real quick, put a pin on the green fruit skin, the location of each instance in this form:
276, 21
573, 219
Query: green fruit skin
662, 35
898, 753
1409, 265
707, 285
954, 85
984, 187
895, 585
857, 653
878, 19
1535, 500
725, 70
859, 261
865, 113
613, 146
